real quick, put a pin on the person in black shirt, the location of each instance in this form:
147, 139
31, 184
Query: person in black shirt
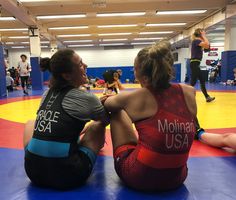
112, 82
199, 43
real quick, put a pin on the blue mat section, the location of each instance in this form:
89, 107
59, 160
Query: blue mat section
209, 178
19, 93
216, 86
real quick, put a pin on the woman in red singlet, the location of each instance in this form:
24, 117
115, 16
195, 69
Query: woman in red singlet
163, 114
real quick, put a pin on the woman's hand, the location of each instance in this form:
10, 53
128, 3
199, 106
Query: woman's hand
203, 33
104, 98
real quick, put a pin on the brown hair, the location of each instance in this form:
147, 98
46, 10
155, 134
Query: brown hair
23, 55
60, 63
156, 62
197, 33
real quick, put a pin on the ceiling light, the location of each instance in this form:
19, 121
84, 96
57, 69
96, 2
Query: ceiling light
13, 29
61, 16
112, 44
220, 29
159, 32
75, 41
9, 43
218, 39
120, 14
18, 37
142, 43
158, 38
44, 46
215, 34
17, 47
65, 28
109, 40
117, 26
76, 35
216, 44
44, 42
32, 0
167, 24
7, 18
180, 12
81, 45
107, 34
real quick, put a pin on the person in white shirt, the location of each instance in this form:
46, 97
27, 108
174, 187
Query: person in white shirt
24, 71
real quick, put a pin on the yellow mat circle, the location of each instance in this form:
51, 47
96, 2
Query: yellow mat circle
218, 114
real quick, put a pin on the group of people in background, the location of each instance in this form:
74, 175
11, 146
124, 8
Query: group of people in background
21, 75
112, 81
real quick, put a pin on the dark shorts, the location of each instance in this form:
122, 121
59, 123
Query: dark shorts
58, 173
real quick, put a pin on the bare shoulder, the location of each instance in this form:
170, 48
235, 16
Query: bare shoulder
188, 90
189, 96
140, 91
143, 98
136, 93
143, 95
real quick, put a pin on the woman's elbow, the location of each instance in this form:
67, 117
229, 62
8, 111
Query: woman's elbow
107, 105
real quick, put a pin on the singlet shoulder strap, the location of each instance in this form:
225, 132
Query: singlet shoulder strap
54, 94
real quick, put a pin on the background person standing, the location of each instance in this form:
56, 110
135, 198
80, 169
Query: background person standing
199, 43
24, 71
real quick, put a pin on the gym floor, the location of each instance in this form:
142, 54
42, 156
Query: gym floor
212, 171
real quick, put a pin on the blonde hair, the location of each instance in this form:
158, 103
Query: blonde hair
197, 33
156, 63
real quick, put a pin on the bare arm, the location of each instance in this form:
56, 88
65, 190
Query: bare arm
117, 102
29, 67
205, 42
112, 84
139, 104
120, 85
190, 98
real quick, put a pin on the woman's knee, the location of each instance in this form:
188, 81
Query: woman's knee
94, 136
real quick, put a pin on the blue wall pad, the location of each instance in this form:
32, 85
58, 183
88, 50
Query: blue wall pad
36, 74
46, 76
188, 71
127, 72
3, 91
228, 63
177, 73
